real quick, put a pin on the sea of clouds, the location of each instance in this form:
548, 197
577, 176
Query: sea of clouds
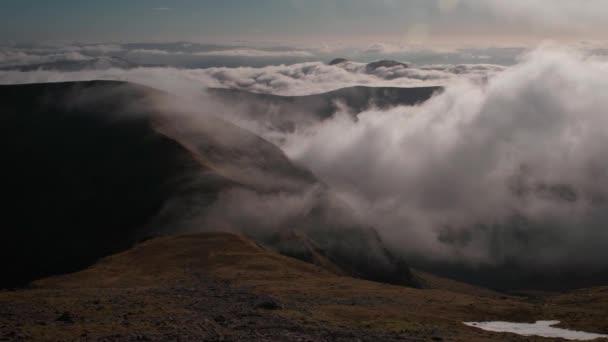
172, 70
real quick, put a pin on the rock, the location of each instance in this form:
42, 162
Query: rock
371, 67
338, 61
66, 317
268, 305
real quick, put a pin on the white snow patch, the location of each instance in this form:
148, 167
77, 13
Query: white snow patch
540, 328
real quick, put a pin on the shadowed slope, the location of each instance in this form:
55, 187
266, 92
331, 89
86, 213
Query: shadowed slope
88, 165
91, 167
78, 179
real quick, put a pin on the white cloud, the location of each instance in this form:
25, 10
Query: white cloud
255, 53
508, 170
317, 77
153, 52
296, 79
244, 53
382, 48
18, 57
100, 48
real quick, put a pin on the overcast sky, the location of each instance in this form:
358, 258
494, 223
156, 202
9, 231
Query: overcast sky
406, 22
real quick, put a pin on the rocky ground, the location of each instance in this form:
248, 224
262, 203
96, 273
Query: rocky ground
222, 287
208, 310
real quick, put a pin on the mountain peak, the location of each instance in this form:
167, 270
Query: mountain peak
337, 61
385, 63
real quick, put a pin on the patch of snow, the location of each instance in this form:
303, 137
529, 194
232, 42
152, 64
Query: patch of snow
540, 328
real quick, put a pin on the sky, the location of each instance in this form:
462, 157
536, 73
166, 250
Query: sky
405, 22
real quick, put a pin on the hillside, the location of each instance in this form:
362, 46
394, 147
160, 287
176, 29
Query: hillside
284, 113
89, 168
219, 286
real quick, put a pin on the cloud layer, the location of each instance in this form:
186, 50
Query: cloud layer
197, 56
297, 79
509, 171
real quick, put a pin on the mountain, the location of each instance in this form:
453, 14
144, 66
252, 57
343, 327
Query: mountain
284, 113
337, 61
80, 178
372, 66
90, 168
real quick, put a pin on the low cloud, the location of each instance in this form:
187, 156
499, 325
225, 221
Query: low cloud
296, 79
508, 171
225, 53
153, 52
17, 57
381, 48
247, 54
255, 53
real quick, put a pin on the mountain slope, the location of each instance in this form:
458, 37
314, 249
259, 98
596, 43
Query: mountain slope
284, 113
92, 167
86, 167
78, 183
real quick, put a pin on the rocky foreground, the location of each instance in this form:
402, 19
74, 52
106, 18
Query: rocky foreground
222, 287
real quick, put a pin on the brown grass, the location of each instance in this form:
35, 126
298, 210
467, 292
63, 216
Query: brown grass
313, 294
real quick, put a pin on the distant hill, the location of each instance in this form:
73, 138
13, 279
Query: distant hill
337, 61
284, 112
372, 66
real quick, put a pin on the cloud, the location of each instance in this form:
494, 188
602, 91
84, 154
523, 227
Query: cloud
225, 53
194, 55
255, 53
296, 79
100, 48
387, 49
382, 48
317, 77
508, 171
18, 57
153, 52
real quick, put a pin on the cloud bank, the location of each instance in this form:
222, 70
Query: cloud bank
296, 79
508, 171
243, 54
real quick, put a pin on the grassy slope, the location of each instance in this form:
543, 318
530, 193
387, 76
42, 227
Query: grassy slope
310, 295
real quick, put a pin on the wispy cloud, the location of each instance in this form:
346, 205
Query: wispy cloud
255, 53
